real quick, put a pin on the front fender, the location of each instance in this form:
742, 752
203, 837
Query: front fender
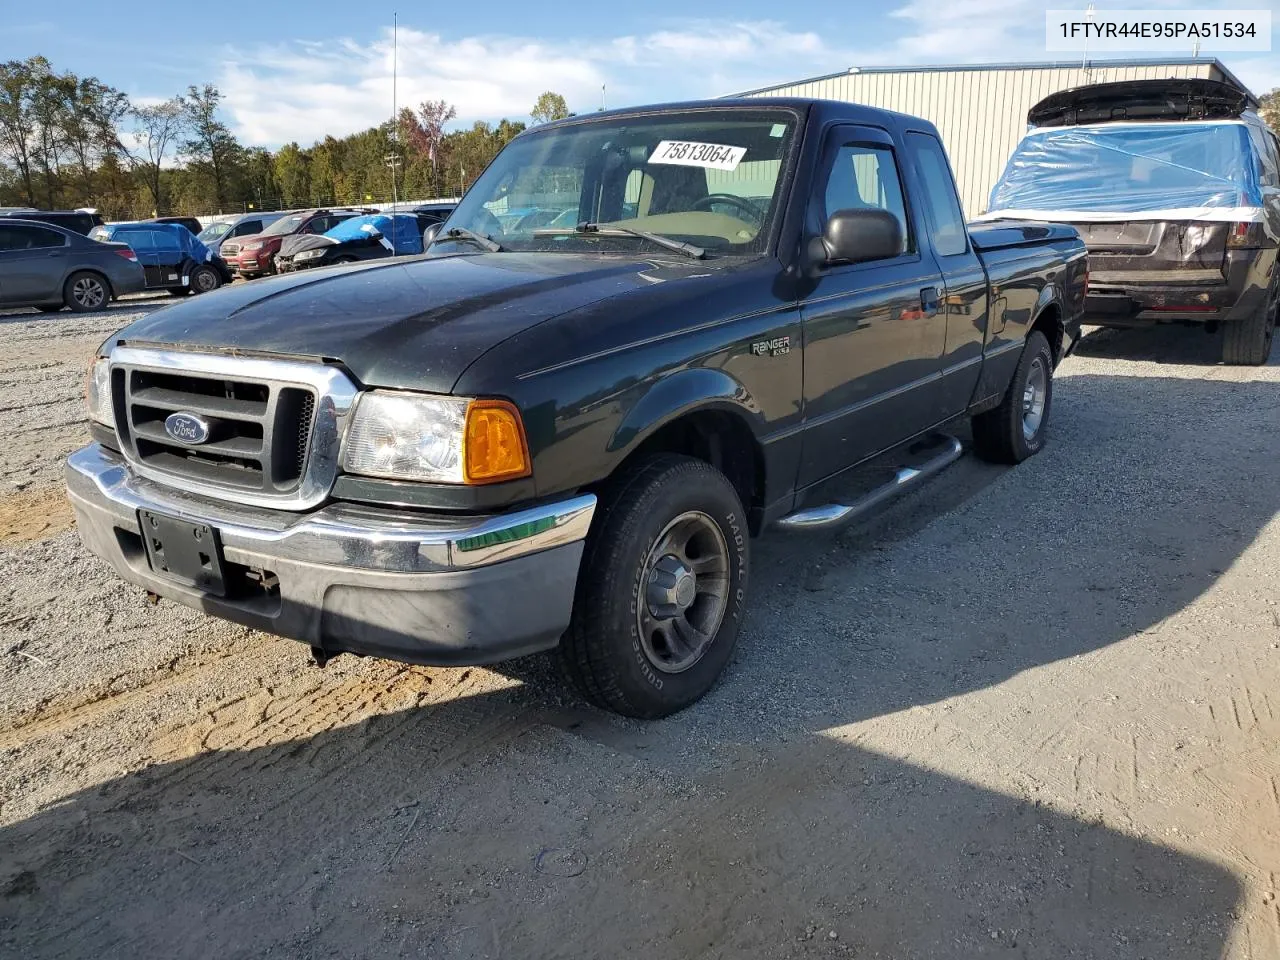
679, 393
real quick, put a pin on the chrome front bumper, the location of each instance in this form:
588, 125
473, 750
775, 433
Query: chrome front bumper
386, 582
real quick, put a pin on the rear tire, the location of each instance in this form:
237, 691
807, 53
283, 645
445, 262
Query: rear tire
1015, 430
1248, 342
661, 589
86, 291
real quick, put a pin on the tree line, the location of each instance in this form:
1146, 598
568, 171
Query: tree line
68, 141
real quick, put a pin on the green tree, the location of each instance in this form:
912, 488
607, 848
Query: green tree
19, 87
157, 129
549, 106
210, 142
91, 133
293, 175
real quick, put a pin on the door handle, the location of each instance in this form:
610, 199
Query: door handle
929, 301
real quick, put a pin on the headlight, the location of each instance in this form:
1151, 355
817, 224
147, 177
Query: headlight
309, 254
252, 246
415, 436
98, 393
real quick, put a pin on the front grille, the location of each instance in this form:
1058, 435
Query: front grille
229, 249
258, 431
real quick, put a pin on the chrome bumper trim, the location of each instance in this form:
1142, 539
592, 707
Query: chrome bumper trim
340, 534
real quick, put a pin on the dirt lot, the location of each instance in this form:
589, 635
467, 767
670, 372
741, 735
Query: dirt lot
1023, 713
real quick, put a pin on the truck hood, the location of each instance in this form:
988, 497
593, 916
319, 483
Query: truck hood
409, 324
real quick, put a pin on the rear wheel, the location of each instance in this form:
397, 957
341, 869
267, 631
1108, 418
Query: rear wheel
205, 279
85, 291
1015, 430
1248, 342
662, 588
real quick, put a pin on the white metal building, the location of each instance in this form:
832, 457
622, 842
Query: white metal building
981, 109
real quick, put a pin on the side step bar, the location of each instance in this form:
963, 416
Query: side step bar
832, 515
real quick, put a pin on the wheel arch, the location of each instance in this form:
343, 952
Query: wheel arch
702, 413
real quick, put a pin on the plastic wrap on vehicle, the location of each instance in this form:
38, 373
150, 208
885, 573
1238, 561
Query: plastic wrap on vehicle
1138, 171
400, 231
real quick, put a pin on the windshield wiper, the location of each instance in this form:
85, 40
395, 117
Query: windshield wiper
479, 239
678, 246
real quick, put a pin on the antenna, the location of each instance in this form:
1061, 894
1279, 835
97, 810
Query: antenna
602, 96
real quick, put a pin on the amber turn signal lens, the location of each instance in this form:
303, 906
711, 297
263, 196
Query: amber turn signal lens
493, 445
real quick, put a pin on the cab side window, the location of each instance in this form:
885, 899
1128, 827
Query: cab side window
865, 176
950, 235
246, 228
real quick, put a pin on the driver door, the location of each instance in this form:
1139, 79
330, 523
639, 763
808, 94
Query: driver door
873, 333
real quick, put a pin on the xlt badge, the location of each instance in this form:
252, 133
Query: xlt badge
772, 348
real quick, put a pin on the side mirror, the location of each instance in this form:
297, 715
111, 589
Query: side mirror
853, 236
429, 235
376, 234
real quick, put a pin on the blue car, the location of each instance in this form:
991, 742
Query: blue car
171, 258
369, 237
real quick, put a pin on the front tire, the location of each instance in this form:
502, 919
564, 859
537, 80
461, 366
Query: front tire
1015, 430
205, 280
661, 589
1247, 342
85, 291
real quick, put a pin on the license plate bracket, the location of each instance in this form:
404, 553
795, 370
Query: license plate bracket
185, 552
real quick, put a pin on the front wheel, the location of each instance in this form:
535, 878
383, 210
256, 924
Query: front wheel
661, 591
1015, 430
205, 279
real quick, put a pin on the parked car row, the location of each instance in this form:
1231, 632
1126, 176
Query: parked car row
369, 237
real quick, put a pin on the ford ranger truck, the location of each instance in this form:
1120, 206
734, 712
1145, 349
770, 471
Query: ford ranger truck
562, 435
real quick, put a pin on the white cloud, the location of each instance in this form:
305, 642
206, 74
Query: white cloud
298, 91
306, 90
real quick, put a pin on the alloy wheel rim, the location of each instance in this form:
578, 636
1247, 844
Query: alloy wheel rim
684, 592
1034, 396
88, 292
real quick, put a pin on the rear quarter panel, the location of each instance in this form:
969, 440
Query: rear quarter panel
1026, 280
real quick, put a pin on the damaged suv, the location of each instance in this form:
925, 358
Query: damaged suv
1175, 188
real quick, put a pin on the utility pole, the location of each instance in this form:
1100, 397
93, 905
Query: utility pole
394, 160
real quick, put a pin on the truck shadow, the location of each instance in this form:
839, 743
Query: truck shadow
1164, 344
740, 827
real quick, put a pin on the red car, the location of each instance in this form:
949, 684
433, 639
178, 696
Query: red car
255, 255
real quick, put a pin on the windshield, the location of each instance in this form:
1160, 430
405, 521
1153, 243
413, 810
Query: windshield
1133, 167
708, 177
214, 231
285, 225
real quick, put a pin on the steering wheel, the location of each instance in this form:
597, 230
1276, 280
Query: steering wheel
746, 206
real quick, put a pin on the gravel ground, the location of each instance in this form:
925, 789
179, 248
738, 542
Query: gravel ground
1023, 712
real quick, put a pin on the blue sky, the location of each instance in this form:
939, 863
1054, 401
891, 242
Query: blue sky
299, 70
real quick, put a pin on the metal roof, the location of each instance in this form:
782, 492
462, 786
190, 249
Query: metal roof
1100, 62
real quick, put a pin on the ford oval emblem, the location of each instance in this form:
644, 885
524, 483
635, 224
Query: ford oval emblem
187, 428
